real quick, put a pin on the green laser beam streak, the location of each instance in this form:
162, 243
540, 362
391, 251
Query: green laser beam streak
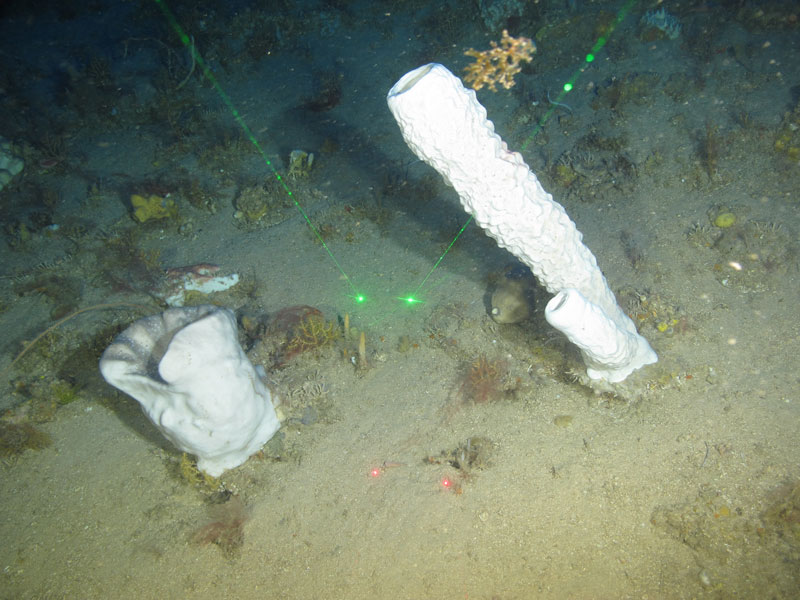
570, 83
565, 89
411, 298
441, 258
189, 44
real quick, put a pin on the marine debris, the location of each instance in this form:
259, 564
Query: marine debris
180, 281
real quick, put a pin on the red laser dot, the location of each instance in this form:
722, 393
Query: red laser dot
446, 483
375, 472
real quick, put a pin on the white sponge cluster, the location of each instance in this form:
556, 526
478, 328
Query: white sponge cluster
446, 126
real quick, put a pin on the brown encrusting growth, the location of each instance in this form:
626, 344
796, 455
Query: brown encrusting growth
15, 438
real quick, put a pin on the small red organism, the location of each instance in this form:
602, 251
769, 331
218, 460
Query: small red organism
225, 528
484, 380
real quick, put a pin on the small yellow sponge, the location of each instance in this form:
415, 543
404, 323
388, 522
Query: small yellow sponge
153, 207
724, 220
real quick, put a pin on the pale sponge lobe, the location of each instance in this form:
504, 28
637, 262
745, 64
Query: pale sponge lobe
186, 368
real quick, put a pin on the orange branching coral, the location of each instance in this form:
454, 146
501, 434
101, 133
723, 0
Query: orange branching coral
313, 332
500, 64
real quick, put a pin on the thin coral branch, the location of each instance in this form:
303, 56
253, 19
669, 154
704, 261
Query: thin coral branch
60, 322
192, 52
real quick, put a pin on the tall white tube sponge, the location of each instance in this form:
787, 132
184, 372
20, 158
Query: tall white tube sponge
446, 126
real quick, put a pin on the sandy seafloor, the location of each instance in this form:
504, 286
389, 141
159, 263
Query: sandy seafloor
682, 483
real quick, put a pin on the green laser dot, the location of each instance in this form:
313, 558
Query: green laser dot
567, 87
589, 58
